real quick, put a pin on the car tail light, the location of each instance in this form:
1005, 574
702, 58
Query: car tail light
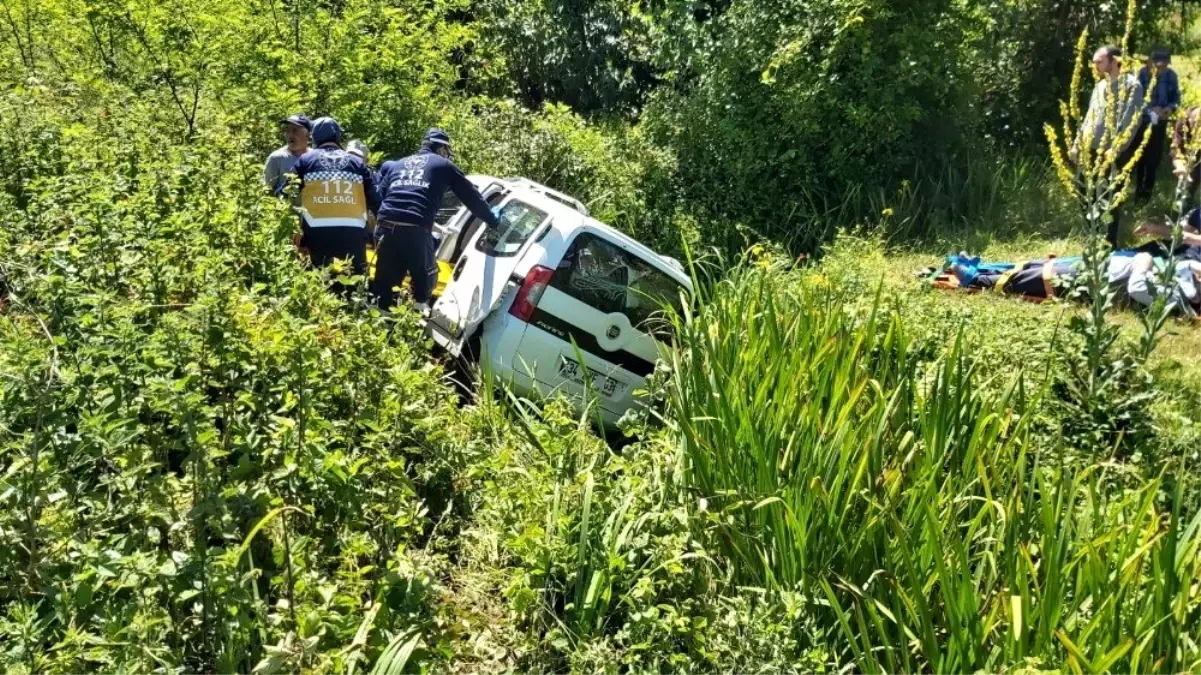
531, 292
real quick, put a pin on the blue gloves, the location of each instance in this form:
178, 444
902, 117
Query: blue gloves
496, 211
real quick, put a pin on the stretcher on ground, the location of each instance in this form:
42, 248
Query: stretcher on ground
1032, 281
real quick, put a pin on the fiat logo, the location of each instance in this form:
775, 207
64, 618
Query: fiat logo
614, 332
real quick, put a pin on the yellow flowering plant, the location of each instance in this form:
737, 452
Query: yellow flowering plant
1094, 157
1096, 170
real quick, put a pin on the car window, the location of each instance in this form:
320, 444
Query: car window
469, 228
611, 279
450, 206
518, 221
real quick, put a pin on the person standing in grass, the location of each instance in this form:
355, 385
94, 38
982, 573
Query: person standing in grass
1109, 124
296, 130
1163, 100
337, 192
411, 189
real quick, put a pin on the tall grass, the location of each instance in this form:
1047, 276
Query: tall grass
909, 498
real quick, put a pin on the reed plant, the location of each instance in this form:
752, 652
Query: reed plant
908, 497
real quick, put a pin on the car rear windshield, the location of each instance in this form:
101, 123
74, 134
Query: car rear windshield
611, 279
518, 221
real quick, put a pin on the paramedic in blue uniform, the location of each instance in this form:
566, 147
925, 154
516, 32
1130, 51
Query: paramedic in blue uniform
411, 190
337, 191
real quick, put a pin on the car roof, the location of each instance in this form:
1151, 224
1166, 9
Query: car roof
567, 218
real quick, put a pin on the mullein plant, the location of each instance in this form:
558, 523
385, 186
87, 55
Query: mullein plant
1100, 180
1161, 308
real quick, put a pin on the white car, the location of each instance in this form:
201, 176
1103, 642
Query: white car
553, 300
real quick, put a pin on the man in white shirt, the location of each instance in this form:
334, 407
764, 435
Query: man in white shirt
296, 130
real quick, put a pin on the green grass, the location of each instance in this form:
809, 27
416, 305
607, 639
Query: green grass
870, 261
842, 458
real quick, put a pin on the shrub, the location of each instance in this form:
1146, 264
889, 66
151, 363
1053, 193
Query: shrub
795, 104
208, 464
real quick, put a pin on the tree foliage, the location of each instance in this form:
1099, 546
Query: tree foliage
210, 463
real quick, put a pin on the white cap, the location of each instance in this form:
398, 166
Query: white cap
357, 147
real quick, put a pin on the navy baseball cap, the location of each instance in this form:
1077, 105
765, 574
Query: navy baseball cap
1161, 55
299, 119
435, 137
326, 130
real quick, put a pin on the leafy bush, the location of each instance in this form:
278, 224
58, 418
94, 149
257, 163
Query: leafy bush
794, 104
208, 464
596, 57
617, 172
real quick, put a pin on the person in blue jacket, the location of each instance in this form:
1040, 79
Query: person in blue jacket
1162, 103
411, 190
337, 192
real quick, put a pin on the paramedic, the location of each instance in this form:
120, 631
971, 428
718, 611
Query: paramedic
336, 194
411, 190
296, 130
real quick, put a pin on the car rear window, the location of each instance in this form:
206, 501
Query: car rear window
611, 279
518, 222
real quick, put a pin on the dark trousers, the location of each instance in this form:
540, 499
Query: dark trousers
1148, 165
1114, 229
403, 251
327, 244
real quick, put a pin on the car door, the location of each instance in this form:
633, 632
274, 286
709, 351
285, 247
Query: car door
483, 273
597, 325
454, 224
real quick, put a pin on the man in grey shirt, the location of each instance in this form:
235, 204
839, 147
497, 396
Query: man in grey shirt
1128, 103
1117, 99
279, 164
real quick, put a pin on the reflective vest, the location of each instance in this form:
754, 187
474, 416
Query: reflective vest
336, 189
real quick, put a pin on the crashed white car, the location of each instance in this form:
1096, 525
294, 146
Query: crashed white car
552, 300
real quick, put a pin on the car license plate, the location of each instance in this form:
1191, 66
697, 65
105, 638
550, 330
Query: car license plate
573, 370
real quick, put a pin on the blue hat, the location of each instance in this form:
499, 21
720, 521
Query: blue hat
326, 130
299, 119
435, 137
